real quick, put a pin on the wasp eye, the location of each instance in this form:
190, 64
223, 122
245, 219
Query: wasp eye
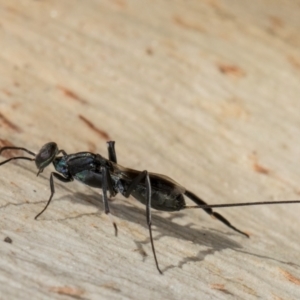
46, 155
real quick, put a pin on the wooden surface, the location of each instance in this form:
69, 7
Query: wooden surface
206, 92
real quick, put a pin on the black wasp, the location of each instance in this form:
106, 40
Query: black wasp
154, 190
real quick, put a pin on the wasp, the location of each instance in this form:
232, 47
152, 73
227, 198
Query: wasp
153, 190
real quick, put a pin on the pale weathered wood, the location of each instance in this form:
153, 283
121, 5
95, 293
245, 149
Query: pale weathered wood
206, 92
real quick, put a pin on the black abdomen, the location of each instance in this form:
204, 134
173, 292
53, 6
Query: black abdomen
160, 200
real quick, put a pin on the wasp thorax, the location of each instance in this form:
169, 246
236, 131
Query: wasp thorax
46, 155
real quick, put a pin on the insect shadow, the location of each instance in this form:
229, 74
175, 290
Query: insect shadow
133, 213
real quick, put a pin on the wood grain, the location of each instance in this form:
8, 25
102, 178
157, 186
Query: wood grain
206, 92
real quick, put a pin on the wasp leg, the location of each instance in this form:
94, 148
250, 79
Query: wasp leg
200, 202
145, 176
112, 156
59, 177
107, 183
